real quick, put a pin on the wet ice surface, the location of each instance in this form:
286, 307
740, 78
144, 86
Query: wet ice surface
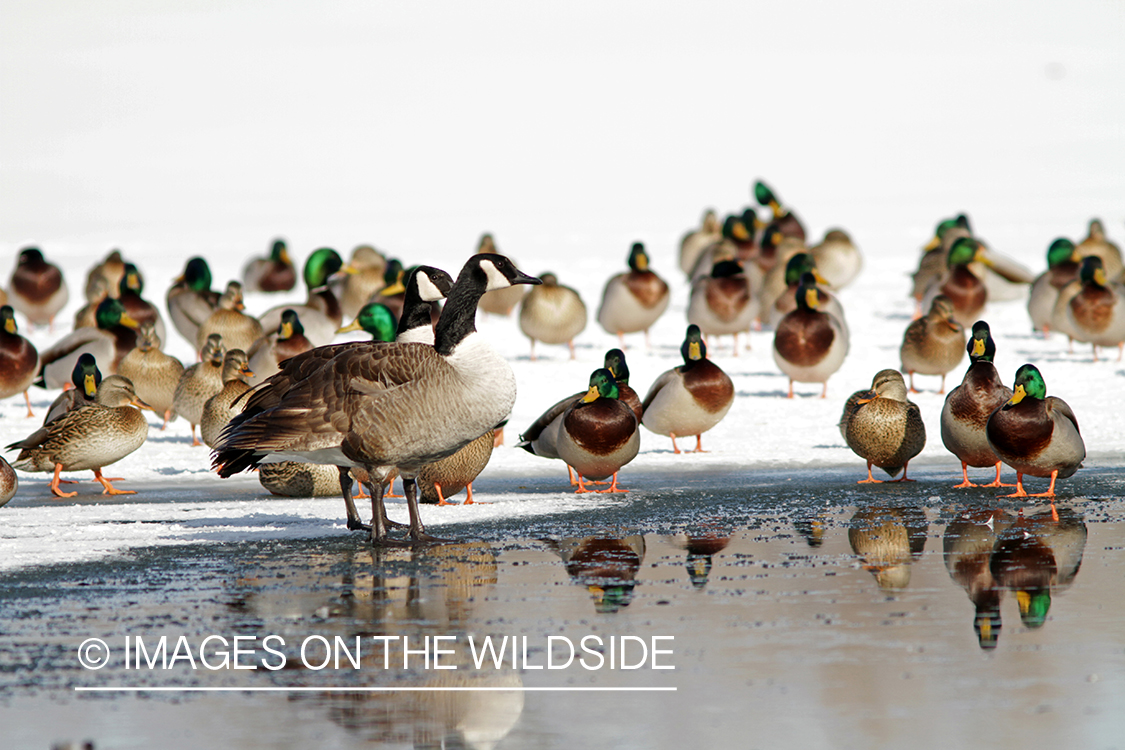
804, 609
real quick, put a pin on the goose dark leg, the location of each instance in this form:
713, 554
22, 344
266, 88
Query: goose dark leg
355, 523
417, 531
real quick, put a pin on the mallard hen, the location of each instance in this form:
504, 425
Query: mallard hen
200, 382
883, 427
220, 408
552, 313
239, 330
154, 374
933, 344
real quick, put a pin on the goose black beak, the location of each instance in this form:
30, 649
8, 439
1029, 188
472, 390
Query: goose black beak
523, 278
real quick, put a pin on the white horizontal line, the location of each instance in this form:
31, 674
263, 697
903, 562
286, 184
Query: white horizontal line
124, 689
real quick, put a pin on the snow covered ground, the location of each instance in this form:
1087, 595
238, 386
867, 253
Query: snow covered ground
169, 131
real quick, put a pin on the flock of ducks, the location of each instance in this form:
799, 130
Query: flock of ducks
426, 399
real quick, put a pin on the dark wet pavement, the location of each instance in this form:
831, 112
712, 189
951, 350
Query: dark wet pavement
799, 609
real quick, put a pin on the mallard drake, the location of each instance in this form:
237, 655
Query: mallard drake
9, 482
1035, 433
778, 301
321, 314
552, 313
274, 348
383, 406
883, 427
37, 288
190, 299
444, 478
139, 309
1096, 313
85, 378
105, 276
809, 345
294, 479
689, 399
723, 303
154, 374
363, 278
273, 273
932, 265
888, 539
967, 545
965, 290
219, 409
1096, 243
88, 438
19, 359
933, 344
775, 249
376, 319
393, 293
598, 434
784, 220
115, 336
1062, 268
86, 317
838, 258
200, 382
239, 330
696, 241
968, 407
541, 438
498, 301
634, 300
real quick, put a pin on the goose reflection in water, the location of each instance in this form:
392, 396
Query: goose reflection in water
888, 538
968, 544
606, 565
1039, 555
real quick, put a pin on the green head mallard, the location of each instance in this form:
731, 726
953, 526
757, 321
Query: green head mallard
197, 274
638, 258
1029, 384
1061, 251
8, 319
374, 318
279, 252
766, 197
393, 278
693, 349
1092, 271
131, 280
86, 376
735, 230
290, 325
111, 313
799, 265
322, 265
615, 363
966, 250
808, 294
602, 385
981, 347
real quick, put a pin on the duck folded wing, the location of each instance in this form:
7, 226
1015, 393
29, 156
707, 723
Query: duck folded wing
664, 379
1057, 405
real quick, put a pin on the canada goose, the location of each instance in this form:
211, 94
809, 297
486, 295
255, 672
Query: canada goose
883, 427
633, 301
1096, 313
88, 438
933, 344
552, 314
37, 288
277, 346
85, 377
809, 345
273, 273
968, 407
153, 373
239, 330
190, 299
1035, 433
498, 301
689, 399
321, 314
380, 406
220, 409
19, 359
200, 382
115, 336
723, 303
697, 240
1062, 268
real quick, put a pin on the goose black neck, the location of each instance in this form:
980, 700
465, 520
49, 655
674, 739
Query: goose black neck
459, 315
415, 311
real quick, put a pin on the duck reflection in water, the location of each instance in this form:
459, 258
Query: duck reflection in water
888, 538
606, 565
1039, 555
702, 544
968, 544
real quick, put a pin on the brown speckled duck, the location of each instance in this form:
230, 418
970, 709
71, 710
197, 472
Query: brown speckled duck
89, 438
19, 359
200, 382
968, 407
154, 374
883, 427
1036, 434
552, 313
239, 331
442, 479
37, 288
220, 409
633, 301
933, 344
1097, 244
689, 399
696, 241
9, 482
498, 301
